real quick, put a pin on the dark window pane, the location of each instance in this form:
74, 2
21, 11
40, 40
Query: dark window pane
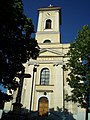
44, 78
47, 41
48, 24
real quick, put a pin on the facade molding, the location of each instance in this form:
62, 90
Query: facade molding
45, 62
52, 51
48, 32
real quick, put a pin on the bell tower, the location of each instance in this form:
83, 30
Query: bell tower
49, 21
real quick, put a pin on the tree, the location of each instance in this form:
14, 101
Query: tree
78, 64
16, 44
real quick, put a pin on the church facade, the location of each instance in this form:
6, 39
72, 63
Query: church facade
46, 88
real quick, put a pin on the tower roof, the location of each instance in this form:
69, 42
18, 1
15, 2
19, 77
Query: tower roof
50, 7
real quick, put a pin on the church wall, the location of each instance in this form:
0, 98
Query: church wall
53, 36
58, 86
55, 100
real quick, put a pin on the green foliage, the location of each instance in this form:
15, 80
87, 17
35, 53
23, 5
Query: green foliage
79, 76
16, 44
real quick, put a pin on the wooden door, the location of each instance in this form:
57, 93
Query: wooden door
43, 106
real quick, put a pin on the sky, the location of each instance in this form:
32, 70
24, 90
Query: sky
75, 14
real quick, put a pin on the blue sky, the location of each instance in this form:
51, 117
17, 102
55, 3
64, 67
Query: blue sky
75, 14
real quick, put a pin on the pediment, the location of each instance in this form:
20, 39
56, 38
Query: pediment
50, 52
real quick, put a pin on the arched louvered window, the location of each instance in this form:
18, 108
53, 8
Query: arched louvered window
44, 76
47, 41
48, 24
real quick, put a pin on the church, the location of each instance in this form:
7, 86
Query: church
45, 89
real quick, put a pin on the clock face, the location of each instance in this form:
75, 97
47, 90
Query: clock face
48, 14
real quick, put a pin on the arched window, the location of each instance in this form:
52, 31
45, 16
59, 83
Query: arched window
47, 41
48, 24
44, 76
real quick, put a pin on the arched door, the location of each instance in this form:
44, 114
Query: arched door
43, 106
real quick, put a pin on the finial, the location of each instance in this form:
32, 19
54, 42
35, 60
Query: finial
50, 5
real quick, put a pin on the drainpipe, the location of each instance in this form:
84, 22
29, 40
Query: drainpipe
34, 70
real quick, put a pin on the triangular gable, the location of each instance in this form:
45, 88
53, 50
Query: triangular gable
51, 52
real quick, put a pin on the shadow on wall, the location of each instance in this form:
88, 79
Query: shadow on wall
24, 114
53, 115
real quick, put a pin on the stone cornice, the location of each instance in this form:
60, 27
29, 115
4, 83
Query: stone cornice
49, 8
45, 62
47, 32
52, 51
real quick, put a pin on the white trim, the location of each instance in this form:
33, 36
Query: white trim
46, 62
51, 50
39, 96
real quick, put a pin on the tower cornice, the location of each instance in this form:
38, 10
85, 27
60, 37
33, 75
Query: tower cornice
49, 8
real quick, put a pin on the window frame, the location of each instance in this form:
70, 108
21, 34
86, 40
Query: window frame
48, 24
44, 76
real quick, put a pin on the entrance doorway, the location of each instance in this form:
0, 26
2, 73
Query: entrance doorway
43, 106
